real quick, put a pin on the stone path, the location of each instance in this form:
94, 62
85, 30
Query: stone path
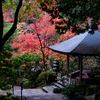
34, 94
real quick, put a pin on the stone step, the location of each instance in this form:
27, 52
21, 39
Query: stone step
58, 85
63, 84
48, 89
54, 68
54, 86
58, 78
65, 76
56, 63
67, 82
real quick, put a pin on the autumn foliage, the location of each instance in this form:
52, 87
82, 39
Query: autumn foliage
27, 40
7, 15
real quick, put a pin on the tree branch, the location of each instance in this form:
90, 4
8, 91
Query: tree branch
14, 26
41, 47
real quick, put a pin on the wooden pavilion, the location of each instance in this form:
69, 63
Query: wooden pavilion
84, 44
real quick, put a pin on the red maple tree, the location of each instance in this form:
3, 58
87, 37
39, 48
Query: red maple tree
38, 36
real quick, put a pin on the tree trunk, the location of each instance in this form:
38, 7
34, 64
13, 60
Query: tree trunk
13, 28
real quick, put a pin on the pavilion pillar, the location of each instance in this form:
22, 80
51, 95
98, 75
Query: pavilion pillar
99, 61
68, 61
80, 66
78, 62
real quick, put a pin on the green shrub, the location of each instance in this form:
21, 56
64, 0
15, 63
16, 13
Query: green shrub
26, 60
48, 75
8, 96
91, 89
51, 78
95, 68
7, 73
29, 67
43, 74
94, 71
75, 92
57, 90
26, 82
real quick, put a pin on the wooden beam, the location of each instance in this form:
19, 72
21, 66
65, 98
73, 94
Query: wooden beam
80, 60
99, 61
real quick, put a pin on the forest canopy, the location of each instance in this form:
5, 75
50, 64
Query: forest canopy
77, 12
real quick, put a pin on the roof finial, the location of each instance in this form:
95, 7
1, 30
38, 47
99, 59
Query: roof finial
90, 30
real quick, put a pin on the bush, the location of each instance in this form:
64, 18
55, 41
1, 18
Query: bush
57, 90
48, 75
8, 96
26, 60
94, 71
51, 78
29, 65
75, 91
7, 73
26, 82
